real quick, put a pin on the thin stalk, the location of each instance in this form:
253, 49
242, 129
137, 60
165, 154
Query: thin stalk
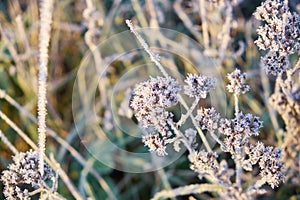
203, 16
165, 181
8, 143
34, 192
225, 32
146, 47
17, 129
259, 183
186, 20
139, 12
202, 136
236, 103
88, 38
151, 8
183, 138
215, 137
184, 117
238, 163
266, 94
44, 39
238, 170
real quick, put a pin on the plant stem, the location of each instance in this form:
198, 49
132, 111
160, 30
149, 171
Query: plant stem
238, 159
236, 103
189, 112
203, 16
44, 38
238, 170
8, 144
202, 136
215, 137
184, 140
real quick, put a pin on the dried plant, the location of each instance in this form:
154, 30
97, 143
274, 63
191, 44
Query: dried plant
27, 175
44, 38
150, 102
281, 37
240, 155
23, 179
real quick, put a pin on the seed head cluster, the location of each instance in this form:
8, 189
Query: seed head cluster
151, 98
22, 175
274, 63
154, 143
282, 29
269, 162
208, 118
239, 130
204, 162
198, 86
237, 82
280, 34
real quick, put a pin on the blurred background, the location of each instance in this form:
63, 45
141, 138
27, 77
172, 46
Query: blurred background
225, 30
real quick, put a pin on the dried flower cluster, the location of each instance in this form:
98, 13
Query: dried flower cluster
268, 159
23, 176
198, 85
154, 143
236, 132
237, 82
275, 63
207, 118
151, 98
285, 102
289, 110
280, 34
204, 162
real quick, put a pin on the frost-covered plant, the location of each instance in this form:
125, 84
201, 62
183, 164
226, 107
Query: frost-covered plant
23, 179
281, 37
44, 39
198, 86
29, 169
151, 98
